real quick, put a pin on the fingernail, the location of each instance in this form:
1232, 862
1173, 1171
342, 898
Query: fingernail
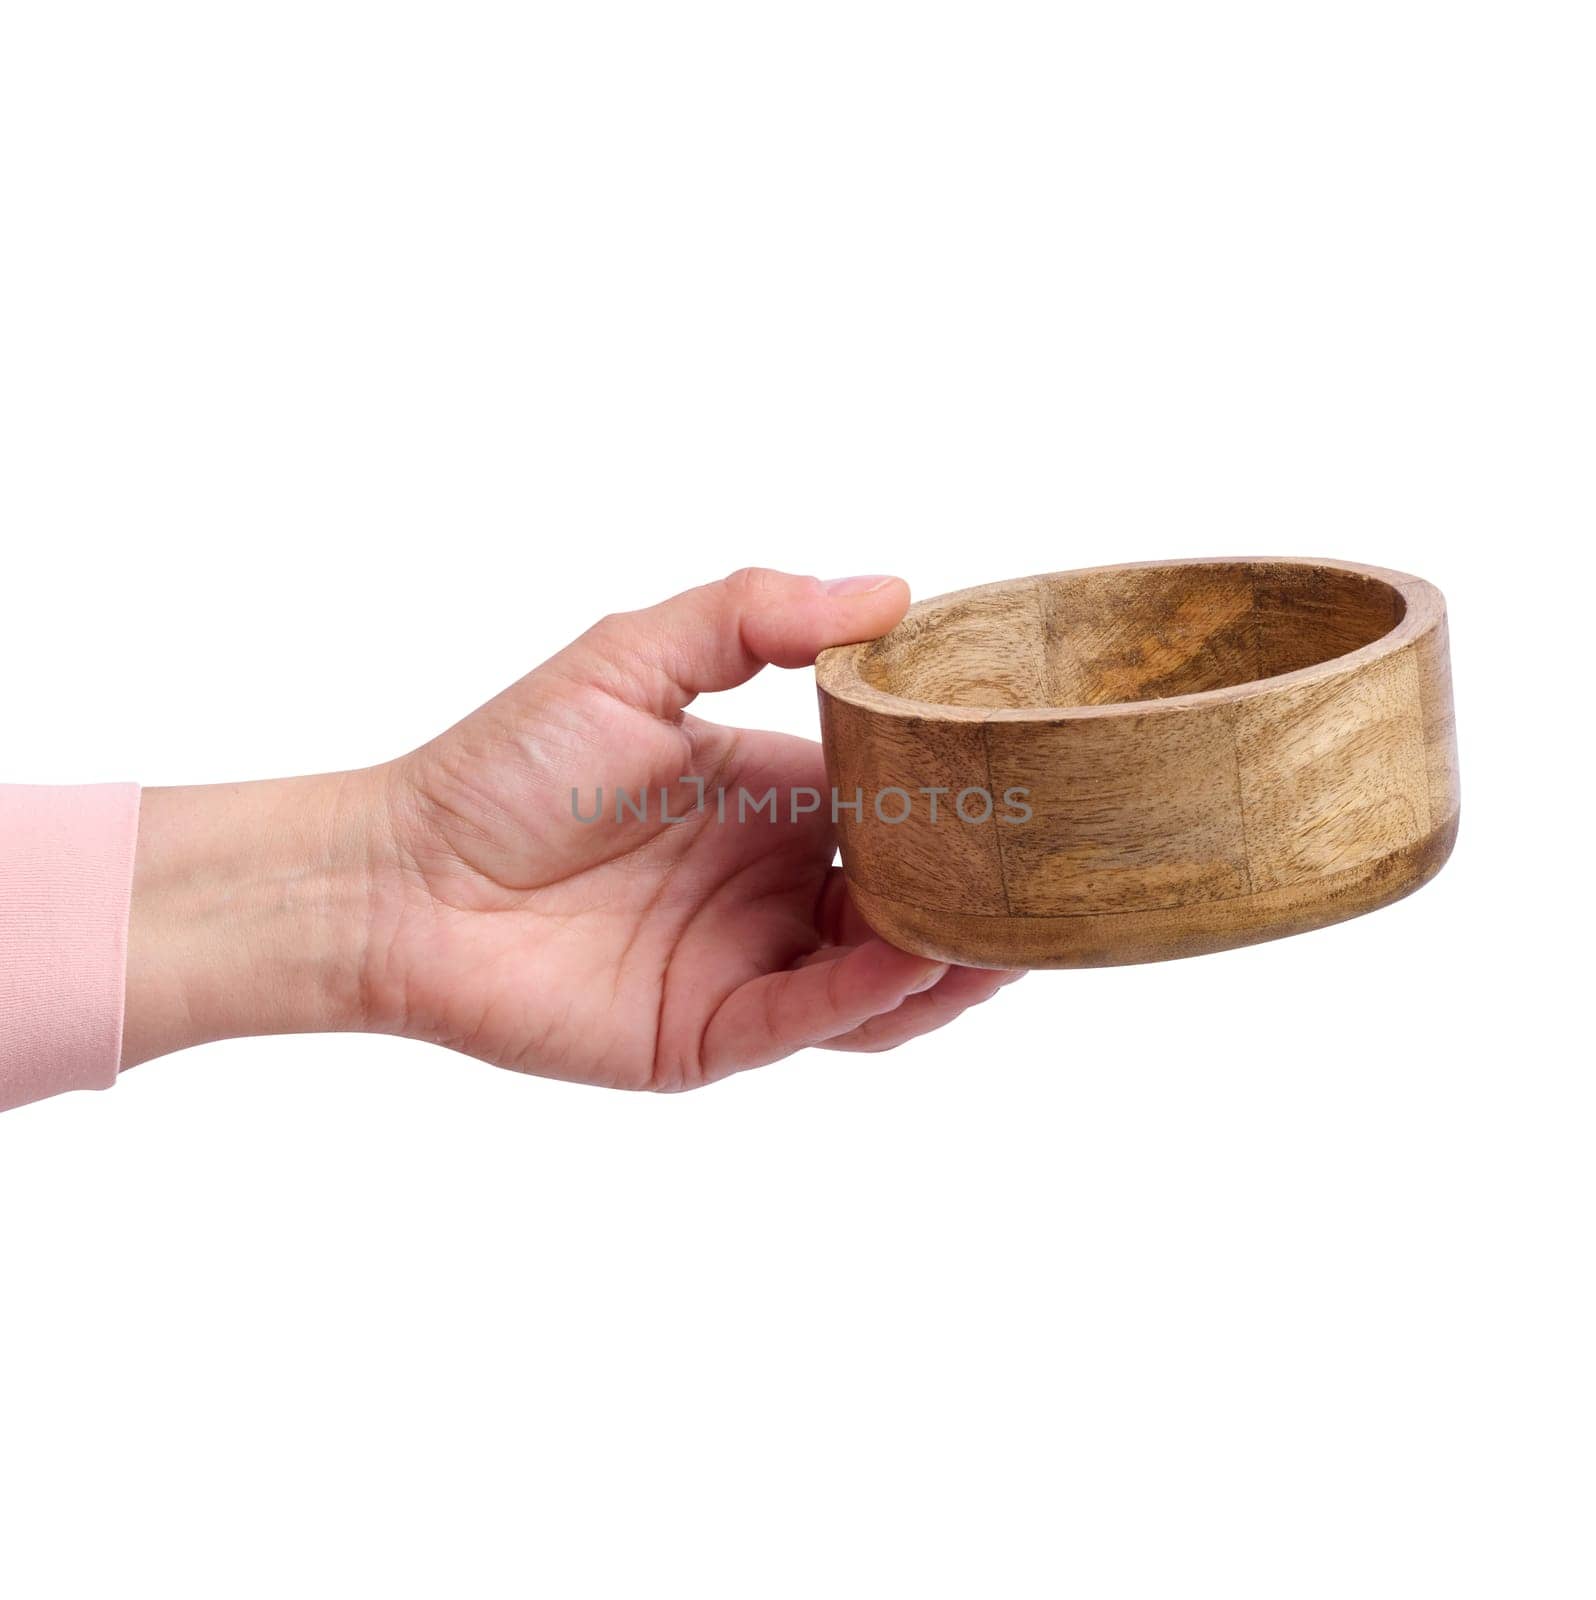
866, 585
938, 972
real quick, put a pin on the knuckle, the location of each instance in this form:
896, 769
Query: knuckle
610, 635
758, 583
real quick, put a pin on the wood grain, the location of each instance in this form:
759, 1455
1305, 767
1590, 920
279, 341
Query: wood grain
1212, 752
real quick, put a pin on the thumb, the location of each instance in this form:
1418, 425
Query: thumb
721, 634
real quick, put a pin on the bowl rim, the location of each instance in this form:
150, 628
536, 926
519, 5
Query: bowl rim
837, 669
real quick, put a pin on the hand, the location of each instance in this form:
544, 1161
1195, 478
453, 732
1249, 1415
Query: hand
454, 896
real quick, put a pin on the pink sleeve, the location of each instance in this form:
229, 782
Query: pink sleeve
66, 881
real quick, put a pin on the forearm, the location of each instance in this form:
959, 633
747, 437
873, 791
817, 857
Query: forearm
250, 912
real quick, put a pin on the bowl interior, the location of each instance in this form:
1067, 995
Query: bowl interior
1108, 636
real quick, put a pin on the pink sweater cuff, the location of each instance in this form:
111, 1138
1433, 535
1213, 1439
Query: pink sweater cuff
66, 882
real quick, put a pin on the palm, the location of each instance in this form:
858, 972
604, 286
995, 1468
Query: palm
632, 952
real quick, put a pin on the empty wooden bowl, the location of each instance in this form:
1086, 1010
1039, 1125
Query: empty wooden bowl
1140, 762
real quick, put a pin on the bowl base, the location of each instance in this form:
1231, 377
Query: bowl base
1168, 933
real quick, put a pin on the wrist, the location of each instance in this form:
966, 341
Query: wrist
251, 904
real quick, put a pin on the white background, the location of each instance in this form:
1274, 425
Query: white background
353, 357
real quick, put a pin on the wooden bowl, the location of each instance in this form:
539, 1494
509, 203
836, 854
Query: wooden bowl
1211, 753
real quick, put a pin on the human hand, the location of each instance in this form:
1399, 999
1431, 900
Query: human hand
454, 896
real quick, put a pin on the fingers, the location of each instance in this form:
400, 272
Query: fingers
720, 635
937, 1006
891, 996
770, 1017
841, 925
